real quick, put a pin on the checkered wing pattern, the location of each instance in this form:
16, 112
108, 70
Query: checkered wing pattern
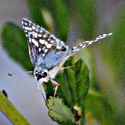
40, 41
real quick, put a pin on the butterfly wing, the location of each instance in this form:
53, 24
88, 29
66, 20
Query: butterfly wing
40, 41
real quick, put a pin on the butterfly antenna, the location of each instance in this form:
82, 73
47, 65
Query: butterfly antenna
87, 43
12, 74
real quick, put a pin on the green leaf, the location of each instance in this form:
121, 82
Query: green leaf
89, 58
117, 49
59, 112
100, 109
73, 87
85, 15
60, 16
11, 112
35, 11
73, 79
114, 57
14, 41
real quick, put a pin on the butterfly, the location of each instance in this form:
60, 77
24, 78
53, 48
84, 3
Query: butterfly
48, 53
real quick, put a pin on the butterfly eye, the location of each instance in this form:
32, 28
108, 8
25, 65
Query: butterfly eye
64, 49
44, 74
38, 76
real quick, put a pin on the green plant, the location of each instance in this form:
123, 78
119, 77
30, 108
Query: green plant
11, 112
77, 98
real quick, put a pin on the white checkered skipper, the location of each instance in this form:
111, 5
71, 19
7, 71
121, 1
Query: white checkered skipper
48, 53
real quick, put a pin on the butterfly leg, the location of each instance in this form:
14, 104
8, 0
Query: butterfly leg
62, 68
55, 86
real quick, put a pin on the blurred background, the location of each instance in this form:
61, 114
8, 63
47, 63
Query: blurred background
72, 21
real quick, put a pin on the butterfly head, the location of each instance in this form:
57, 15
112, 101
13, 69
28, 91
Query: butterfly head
41, 74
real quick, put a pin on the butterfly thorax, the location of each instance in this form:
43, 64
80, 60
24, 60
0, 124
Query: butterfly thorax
52, 64
53, 72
